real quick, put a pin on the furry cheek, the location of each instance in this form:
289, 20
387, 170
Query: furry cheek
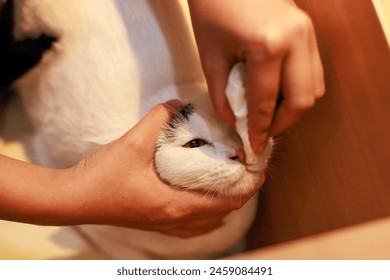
194, 169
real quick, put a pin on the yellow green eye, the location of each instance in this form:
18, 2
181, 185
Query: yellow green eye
195, 143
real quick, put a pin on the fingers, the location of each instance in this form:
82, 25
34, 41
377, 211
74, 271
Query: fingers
192, 228
200, 203
262, 88
298, 72
188, 232
198, 224
302, 84
216, 71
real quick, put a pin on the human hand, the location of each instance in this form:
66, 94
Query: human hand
118, 185
277, 42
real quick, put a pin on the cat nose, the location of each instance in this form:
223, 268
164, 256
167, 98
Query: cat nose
239, 155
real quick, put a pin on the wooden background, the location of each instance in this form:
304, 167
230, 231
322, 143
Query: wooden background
333, 169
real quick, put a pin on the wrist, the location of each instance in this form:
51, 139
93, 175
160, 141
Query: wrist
35, 194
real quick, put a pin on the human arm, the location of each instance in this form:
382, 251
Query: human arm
116, 185
277, 42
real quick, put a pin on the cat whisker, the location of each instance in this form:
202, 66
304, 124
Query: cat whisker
191, 182
213, 191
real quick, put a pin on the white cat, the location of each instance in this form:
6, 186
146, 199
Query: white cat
113, 60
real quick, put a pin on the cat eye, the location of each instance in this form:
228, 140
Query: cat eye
195, 143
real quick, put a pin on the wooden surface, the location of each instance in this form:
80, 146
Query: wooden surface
333, 169
368, 241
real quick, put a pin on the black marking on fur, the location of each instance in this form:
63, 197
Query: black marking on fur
187, 110
17, 57
183, 115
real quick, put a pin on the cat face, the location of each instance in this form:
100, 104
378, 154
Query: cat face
199, 152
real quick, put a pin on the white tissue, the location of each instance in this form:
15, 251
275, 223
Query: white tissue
235, 93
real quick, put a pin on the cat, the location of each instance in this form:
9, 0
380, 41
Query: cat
108, 63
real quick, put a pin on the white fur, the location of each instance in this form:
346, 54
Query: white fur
112, 62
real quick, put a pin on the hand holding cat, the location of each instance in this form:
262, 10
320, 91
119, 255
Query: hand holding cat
119, 186
122, 183
277, 42
116, 185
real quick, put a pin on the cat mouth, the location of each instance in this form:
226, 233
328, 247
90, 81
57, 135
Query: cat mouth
242, 186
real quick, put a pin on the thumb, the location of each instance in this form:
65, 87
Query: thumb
147, 130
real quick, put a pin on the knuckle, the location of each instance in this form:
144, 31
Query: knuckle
302, 25
271, 43
267, 44
266, 110
263, 43
302, 104
319, 93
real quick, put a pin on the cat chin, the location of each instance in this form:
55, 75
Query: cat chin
236, 183
246, 185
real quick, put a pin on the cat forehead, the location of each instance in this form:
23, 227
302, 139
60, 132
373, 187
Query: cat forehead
183, 115
194, 121
189, 122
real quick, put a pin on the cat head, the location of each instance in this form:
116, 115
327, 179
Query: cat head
197, 151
